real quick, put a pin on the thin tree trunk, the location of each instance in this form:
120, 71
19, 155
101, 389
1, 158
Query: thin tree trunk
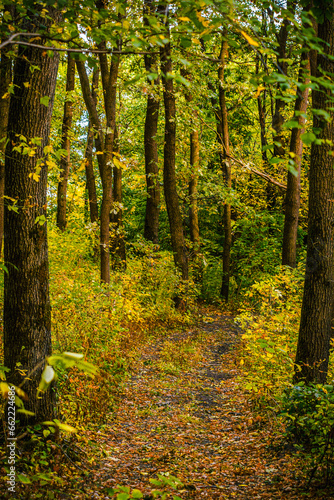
117, 247
5, 80
316, 316
193, 183
66, 145
170, 191
226, 171
27, 311
261, 106
90, 176
151, 231
278, 118
292, 198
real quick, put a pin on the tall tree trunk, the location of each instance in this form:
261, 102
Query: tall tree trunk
261, 106
226, 171
170, 191
193, 182
280, 103
66, 145
117, 247
27, 312
5, 80
292, 198
103, 145
316, 316
193, 209
90, 176
151, 231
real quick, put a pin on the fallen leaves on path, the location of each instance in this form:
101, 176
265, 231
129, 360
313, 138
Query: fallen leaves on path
195, 423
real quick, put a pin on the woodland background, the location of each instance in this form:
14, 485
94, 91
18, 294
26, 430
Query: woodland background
157, 160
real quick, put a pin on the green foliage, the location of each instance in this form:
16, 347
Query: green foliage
165, 482
308, 413
270, 320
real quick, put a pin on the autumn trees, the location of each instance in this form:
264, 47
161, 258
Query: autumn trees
158, 61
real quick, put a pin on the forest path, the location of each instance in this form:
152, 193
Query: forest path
182, 413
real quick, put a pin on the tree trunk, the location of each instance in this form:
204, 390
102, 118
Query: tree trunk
278, 118
5, 81
316, 317
226, 171
193, 209
261, 106
292, 198
27, 312
90, 176
66, 145
170, 191
117, 246
151, 231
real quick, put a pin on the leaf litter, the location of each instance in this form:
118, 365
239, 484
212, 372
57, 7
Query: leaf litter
184, 414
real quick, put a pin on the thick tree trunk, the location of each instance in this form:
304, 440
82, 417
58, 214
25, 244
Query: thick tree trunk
117, 247
317, 308
27, 312
226, 171
66, 145
170, 191
151, 231
5, 80
292, 198
90, 176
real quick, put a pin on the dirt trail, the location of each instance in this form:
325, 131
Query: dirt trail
193, 423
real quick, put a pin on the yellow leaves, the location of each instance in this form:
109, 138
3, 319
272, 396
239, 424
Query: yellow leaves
202, 19
258, 91
184, 19
35, 175
26, 84
250, 40
4, 388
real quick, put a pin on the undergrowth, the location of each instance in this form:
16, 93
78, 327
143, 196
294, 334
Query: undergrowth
105, 324
303, 415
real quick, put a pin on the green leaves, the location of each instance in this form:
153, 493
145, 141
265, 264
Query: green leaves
45, 100
308, 138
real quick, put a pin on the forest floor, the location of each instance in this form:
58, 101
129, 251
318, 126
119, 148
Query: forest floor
183, 414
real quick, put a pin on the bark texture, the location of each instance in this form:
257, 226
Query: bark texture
65, 161
89, 166
316, 317
151, 230
292, 198
117, 247
5, 80
226, 166
193, 182
27, 313
170, 191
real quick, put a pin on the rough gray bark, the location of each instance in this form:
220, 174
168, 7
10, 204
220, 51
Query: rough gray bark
316, 317
27, 312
